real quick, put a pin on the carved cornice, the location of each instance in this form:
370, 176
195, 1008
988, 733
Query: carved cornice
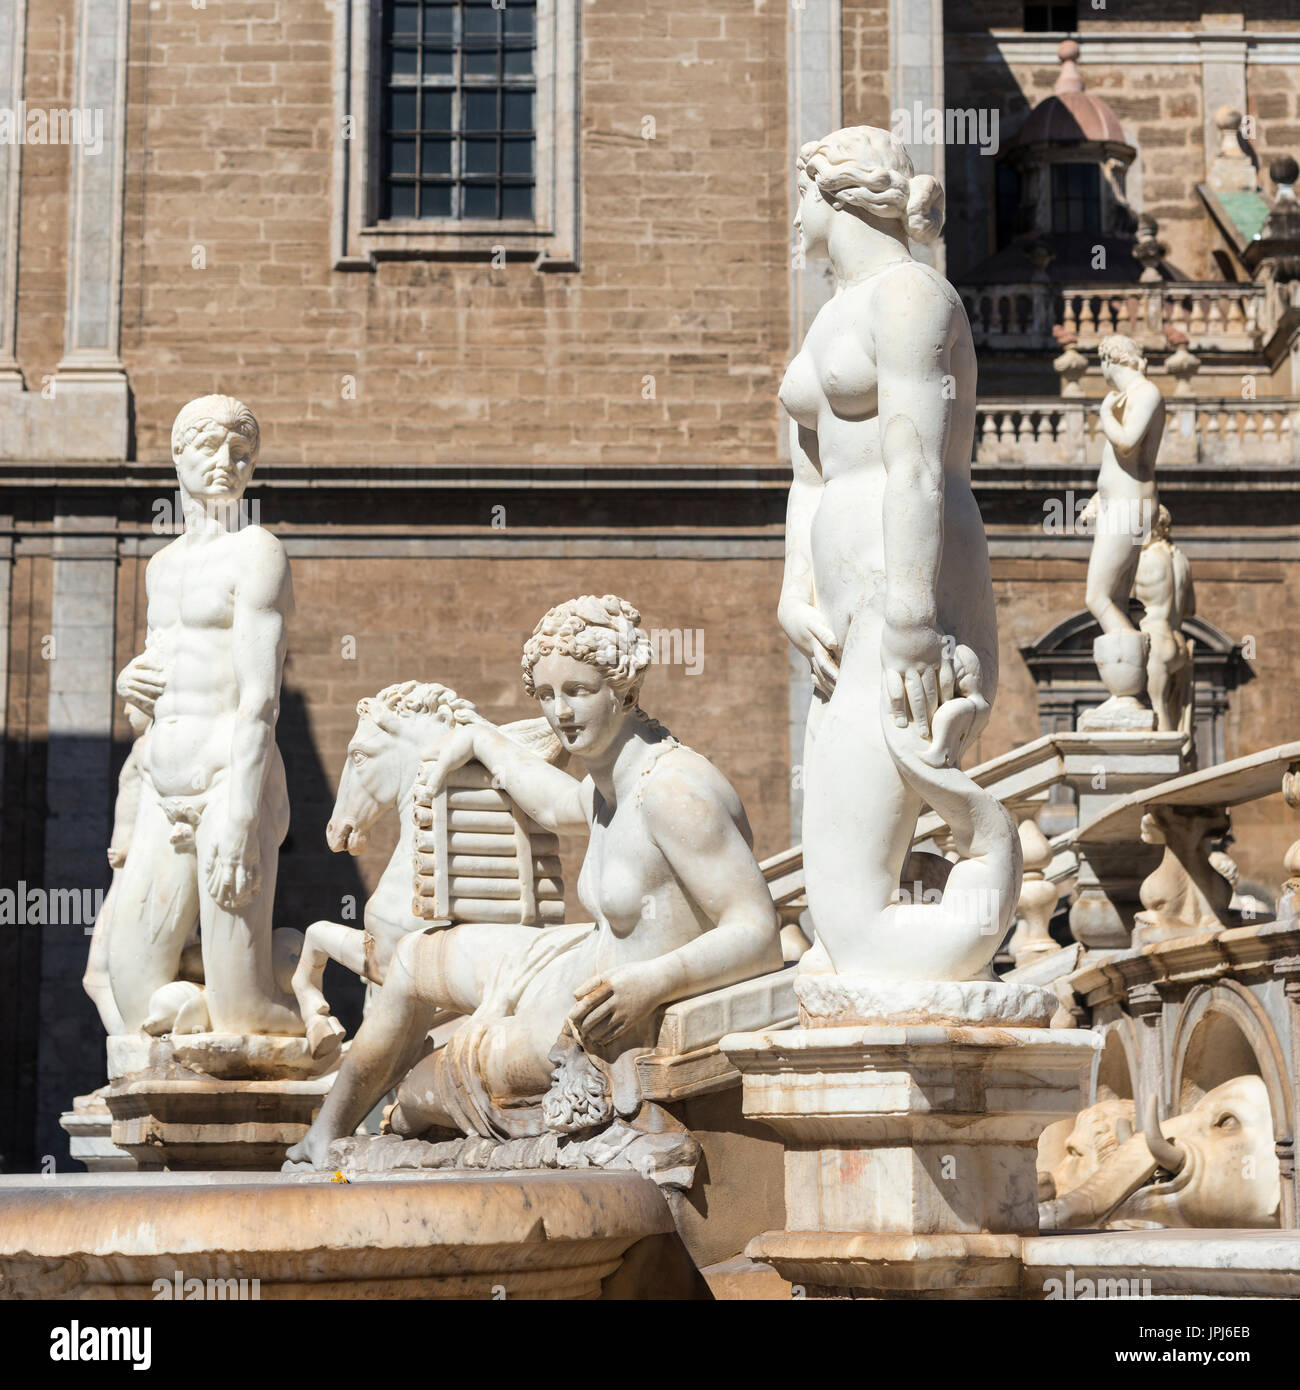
1142, 976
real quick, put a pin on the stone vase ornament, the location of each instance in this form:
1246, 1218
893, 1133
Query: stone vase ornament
888, 596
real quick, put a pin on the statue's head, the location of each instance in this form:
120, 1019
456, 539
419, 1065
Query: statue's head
866, 172
214, 447
1160, 526
1119, 355
584, 665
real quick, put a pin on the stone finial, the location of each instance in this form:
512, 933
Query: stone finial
1071, 365
1148, 250
1232, 170
1069, 79
1284, 171
1228, 119
1181, 364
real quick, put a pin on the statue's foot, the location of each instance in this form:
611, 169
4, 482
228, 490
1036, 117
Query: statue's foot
309, 1152
324, 1034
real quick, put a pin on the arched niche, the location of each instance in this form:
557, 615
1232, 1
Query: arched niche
1223, 1032
1068, 682
1115, 1068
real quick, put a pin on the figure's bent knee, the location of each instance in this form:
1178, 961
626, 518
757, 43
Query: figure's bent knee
404, 969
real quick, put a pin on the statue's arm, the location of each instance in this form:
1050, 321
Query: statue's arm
694, 827
126, 806
912, 349
544, 793
263, 602
141, 680
1125, 435
699, 836
797, 611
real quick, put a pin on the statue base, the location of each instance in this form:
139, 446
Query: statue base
910, 1148
222, 1101
1119, 714
89, 1127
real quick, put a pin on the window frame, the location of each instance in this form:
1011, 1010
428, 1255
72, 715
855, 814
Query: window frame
550, 238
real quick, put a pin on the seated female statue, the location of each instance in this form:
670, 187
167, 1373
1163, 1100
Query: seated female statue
680, 906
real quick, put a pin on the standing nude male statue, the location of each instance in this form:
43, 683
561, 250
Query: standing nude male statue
1164, 586
214, 807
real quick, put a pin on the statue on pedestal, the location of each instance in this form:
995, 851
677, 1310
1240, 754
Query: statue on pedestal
1122, 513
887, 590
1163, 584
557, 1012
213, 807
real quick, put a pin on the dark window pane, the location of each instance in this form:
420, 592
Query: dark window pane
401, 157
405, 21
438, 21
401, 200
401, 110
519, 62
519, 19
483, 63
480, 200
404, 62
439, 62
435, 156
481, 21
517, 200
435, 200
517, 156
480, 110
480, 156
518, 111
437, 111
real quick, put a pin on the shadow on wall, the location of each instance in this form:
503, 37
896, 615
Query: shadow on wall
315, 883
50, 1035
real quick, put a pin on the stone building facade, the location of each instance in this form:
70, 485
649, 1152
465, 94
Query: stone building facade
464, 424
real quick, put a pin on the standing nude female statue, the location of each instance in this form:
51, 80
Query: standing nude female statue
680, 906
887, 590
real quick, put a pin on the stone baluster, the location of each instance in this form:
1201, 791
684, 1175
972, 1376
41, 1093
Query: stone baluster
1038, 895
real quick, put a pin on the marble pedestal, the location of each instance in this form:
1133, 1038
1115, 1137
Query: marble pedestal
909, 1147
236, 1114
1104, 765
89, 1127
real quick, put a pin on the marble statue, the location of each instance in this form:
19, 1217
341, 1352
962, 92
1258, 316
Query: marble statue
1214, 1166
213, 808
396, 730
887, 591
96, 980
1132, 418
555, 1013
1163, 583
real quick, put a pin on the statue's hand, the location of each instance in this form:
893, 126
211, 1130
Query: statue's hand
811, 635
918, 673
453, 749
609, 1004
233, 871
141, 682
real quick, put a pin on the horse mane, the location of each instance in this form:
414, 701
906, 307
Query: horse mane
413, 697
